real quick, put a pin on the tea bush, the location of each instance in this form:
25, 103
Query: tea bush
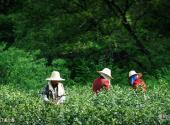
21, 68
121, 105
25, 69
61, 65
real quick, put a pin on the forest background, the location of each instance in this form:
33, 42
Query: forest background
78, 38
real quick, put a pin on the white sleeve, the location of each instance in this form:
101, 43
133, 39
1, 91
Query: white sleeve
45, 98
61, 90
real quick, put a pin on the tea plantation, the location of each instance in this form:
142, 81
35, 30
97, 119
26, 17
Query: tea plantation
118, 106
78, 38
23, 78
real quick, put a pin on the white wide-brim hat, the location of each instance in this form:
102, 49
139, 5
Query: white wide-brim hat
55, 75
132, 72
106, 72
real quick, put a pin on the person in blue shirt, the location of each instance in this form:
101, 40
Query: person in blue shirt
136, 81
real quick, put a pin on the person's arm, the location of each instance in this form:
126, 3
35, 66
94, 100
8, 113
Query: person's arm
106, 84
139, 75
61, 91
45, 93
45, 98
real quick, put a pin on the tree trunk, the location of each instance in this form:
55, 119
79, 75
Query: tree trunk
122, 16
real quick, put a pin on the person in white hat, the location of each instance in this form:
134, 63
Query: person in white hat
54, 91
102, 81
136, 81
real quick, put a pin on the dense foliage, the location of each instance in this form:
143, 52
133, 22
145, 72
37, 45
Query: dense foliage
128, 33
119, 106
22, 78
78, 38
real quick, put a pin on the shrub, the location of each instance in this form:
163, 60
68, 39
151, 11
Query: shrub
21, 68
61, 65
118, 106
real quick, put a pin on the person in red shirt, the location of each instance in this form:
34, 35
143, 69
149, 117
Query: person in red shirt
136, 81
102, 81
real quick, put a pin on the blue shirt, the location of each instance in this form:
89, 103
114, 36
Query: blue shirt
132, 79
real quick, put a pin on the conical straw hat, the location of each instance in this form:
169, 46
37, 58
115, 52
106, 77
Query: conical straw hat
132, 72
55, 75
106, 71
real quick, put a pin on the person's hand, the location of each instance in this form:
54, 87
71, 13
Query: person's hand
139, 75
54, 102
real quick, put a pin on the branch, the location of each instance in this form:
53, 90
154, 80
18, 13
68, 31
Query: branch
128, 27
128, 5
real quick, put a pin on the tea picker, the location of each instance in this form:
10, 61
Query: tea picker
54, 91
136, 81
103, 81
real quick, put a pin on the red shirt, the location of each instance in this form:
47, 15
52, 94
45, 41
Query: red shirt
139, 82
99, 83
136, 82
